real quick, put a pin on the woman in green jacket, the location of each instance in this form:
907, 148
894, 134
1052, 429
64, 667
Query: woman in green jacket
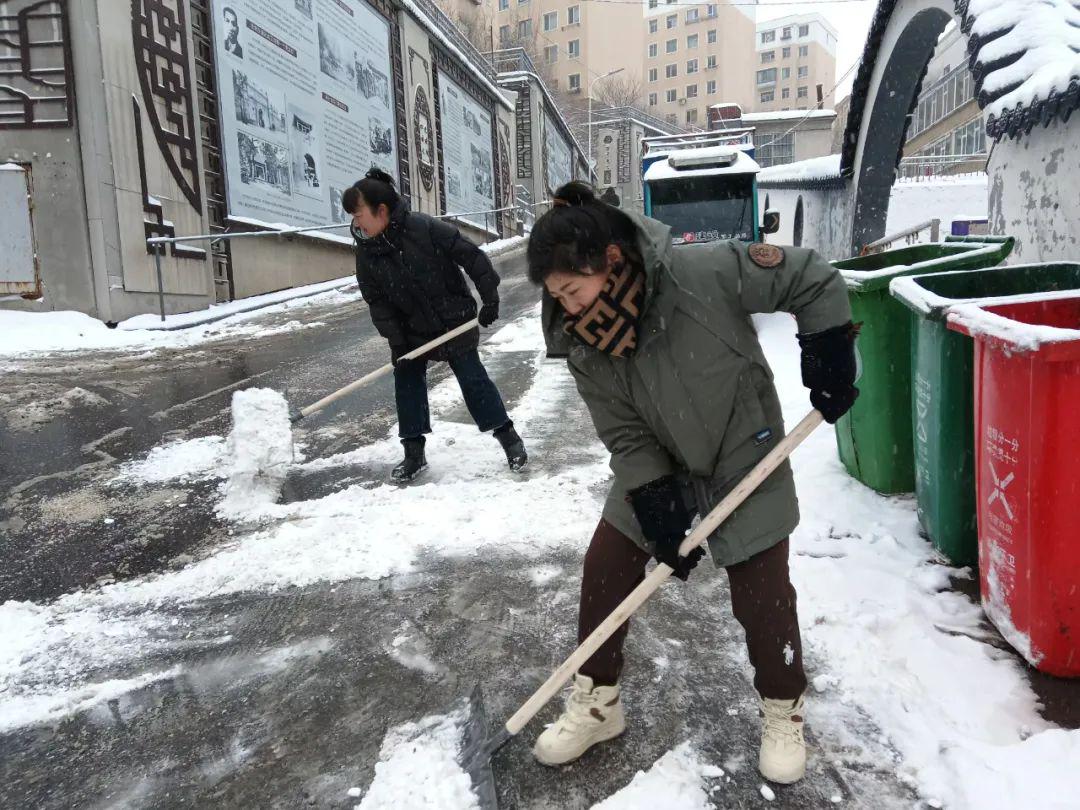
660, 342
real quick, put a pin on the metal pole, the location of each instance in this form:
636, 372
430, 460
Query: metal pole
160, 282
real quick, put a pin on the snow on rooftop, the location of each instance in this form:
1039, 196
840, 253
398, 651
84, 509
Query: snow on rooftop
741, 163
1045, 34
787, 115
819, 168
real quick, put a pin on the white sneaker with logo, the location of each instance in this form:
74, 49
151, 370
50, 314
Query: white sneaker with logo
593, 714
783, 750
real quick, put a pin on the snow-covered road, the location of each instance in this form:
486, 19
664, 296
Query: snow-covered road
268, 667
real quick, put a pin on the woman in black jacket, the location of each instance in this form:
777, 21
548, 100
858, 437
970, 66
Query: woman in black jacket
408, 266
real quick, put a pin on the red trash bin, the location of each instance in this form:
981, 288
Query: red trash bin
1027, 427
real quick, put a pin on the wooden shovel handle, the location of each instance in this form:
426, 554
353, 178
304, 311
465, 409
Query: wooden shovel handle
384, 370
660, 574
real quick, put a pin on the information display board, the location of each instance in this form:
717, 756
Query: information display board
560, 157
467, 159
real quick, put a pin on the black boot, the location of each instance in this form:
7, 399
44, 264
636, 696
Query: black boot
414, 463
513, 446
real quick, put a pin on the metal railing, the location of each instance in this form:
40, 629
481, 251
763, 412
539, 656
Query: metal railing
911, 236
918, 167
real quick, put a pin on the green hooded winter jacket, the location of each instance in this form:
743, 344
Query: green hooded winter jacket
696, 398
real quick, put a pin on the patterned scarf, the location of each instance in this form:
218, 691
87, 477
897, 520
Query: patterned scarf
610, 324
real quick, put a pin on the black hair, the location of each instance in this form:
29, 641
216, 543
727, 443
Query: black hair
574, 235
375, 189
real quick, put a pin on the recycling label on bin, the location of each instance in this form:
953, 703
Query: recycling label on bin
1001, 491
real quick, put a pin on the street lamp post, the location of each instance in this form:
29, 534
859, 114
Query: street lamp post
591, 83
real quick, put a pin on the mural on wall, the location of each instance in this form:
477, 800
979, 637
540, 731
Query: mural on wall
424, 137
36, 84
307, 104
558, 157
160, 32
468, 165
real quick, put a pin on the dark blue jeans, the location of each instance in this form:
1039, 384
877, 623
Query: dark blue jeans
482, 398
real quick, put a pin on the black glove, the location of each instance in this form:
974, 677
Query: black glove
489, 313
828, 369
664, 520
396, 351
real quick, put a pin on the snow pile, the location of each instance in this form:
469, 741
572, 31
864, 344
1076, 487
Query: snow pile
819, 168
913, 202
188, 460
1044, 34
418, 768
675, 782
892, 641
261, 448
39, 412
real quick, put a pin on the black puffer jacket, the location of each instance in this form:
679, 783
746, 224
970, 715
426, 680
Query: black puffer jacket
410, 276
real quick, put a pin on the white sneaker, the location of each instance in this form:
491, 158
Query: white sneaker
783, 750
593, 714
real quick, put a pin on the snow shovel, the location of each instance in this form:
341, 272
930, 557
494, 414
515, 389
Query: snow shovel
477, 751
296, 416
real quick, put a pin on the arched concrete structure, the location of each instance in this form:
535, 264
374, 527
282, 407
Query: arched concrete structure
797, 224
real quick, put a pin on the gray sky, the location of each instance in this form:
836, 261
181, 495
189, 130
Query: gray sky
851, 21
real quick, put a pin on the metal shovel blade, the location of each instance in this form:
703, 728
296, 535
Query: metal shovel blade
477, 748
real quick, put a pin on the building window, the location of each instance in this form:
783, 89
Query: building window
607, 177
524, 29
776, 151
802, 72
803, 93
573, 15
573, 49
672, 45
710, 62
652, 3
653, 74
768, 36
785, 93
804, 30
672, 95
691, 91
522, 2
785, 73
671, 71
551, 21
652, 99
711, 38
504, 34
671, 118
691, 116
786, 54
767, 56
692, 15
710, 10
786, 33
804, 51
710, 87
691, 66
551, 54
767, 96
504, 5
671, 21
652, 50
653, 25
574, 82
691, 41
767, 76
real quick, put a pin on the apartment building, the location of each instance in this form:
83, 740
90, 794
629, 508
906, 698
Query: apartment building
946, 134
793, 56
572, 42
696, 56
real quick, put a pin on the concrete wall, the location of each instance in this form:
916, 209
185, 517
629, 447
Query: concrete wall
270, 263
825, 213
1033, 192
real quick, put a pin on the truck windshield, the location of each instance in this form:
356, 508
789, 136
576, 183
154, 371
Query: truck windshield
705, 208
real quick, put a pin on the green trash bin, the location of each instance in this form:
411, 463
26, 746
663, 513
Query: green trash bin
942, 404
874, 437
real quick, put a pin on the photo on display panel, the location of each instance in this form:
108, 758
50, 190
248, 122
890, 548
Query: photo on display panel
379, 137
304, 7
372, 83
230, 32
337, 59
482, 176
256, 106
263, 163
304, 140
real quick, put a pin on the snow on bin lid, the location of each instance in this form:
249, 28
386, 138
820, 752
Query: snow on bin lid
864, 280
976, 320
1025, 56
911, 291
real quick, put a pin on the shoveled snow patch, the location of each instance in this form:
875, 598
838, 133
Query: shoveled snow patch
675, 782
40, 412
186, 460
260, 446
418, 768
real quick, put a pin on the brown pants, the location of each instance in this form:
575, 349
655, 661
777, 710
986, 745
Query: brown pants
762, 599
